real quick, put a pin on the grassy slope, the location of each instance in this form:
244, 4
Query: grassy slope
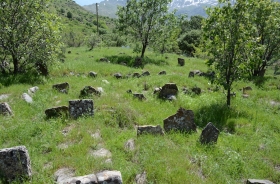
247, 146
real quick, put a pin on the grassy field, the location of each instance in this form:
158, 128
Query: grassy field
248, 145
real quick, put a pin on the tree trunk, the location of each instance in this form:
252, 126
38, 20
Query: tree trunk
228, 97
16, 65
144, 46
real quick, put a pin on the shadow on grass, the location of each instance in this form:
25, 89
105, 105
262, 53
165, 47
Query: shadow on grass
220, 115
260, 81
130, 61
28, 78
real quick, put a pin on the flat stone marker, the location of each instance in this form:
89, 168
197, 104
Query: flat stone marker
209, 134
182, 121
149, 129
15, 162
255, 181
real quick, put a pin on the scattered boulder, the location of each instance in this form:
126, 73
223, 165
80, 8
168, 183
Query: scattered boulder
196, 90
182, 121
62, 87
111, 177
63, 174
138, 62
169, 89
141, 178
209, 134
27, 98
196, 72
33, 89
136, 74
4, 96
92, 74
57, 112
191, 74
5, 109
92, 179
130, 145
140, 96
255, 181
88, 91
15, 163
146, 73
181, 61
129, 91
149, 129
78, 108
118, 75
162, 73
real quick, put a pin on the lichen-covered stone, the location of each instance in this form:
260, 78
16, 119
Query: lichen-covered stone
78, 108
169, 89
5, 109
57, 111
209, 134
182, 121
149, 129
15, 163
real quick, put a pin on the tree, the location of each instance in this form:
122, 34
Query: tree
226, 38
144, 20
29, 36
264, 15
69, 15
93, 41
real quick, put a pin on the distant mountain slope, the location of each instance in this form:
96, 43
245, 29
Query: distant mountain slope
189, 7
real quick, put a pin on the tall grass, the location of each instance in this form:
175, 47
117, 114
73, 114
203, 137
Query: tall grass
249, 132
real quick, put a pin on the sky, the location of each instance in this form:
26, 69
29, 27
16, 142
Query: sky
87, 2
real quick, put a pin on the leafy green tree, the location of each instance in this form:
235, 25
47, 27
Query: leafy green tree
69, 15
144, 20
29, 36
265, 19
226, 38
93, 41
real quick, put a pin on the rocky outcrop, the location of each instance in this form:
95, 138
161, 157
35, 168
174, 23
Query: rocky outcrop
78, 108
182, 121
15, 163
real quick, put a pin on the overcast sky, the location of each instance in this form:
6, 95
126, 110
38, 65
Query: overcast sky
87, 2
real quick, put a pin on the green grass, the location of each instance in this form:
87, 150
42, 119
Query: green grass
248, 145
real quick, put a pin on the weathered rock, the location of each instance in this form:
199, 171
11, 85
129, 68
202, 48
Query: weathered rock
4, 96
5, 109
15, 163
92, 74
169, 89
140, 96
171, 98
87, 179
110, 177
62, 87
191, 74
162, 72
130, 145
33, 89
196, 90
146, 73
209, 134
27, 98
129, 91
157, 90
63, 174
182, 121
89, 91
78, 108
181, 61
149, 129
255, 181
136, 74
141, 178
118, 75
102, 152
57, 112
138, 62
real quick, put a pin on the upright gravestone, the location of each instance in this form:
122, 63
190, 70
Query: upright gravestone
182, 121
169, 89
181, 61
209, 134
78, 108
15, 163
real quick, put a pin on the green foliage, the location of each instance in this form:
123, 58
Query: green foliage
29, 35
145, 21
69, 15
93, 41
